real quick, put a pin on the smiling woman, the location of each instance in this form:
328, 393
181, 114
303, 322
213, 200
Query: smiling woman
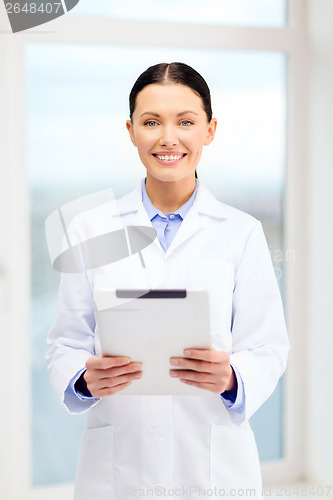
173, 135
170, 145
202, 440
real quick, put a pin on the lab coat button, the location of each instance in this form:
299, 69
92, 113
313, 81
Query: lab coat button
168, 228
158, 431
172, 216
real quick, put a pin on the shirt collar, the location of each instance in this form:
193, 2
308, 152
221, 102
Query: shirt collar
153, 211
205, 203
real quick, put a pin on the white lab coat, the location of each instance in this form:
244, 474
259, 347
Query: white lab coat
176, 444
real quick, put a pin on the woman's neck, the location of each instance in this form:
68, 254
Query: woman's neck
169, 196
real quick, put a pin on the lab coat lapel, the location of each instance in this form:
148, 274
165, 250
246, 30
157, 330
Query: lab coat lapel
131, 208
190, 226
205, 206
133, 212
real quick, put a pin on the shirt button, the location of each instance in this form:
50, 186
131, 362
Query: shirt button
158, 431
172, 216
168, 228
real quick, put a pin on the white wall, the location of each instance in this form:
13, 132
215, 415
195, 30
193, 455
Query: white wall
319, 366
14, 272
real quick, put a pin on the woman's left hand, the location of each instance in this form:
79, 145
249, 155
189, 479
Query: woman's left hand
205, 368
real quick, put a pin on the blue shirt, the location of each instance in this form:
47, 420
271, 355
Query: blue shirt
166, 226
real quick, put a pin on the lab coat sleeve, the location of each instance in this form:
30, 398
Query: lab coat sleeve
71, 340
259, 339
236, 402
75, 400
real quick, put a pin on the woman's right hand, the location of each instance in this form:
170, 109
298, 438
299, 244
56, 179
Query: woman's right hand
107, 375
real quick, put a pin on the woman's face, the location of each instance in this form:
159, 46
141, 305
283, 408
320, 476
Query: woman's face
169, 127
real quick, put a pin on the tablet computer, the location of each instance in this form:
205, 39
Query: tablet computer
151, 326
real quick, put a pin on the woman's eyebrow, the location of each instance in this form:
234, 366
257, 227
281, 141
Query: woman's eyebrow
149, 113
179, 114
186, 112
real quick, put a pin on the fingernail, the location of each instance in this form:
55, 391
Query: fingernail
187, 352
137, 375
173, 374
174, 362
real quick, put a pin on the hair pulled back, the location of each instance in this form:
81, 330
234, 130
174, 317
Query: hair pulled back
175, 72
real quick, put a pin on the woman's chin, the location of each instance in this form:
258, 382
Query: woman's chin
169, 175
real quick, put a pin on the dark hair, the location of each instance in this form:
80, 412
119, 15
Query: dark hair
174, 72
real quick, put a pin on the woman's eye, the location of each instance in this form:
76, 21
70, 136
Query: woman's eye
186, 123
150, 123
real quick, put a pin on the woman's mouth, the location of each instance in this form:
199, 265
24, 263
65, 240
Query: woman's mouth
169, 158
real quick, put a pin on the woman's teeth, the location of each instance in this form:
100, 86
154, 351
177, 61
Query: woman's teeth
169, 157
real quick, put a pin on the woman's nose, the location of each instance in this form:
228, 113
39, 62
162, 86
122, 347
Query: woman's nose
168, 137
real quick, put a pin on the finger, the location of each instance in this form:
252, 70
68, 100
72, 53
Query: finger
206, 386
114, 381
95, 379
109, 391
121, 370
105, 362
193, 364
210, 355
110, 382
194, 376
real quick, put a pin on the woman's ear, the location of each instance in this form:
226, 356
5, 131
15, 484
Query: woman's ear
129, 126
211, 131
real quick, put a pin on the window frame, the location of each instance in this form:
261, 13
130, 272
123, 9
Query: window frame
15, 454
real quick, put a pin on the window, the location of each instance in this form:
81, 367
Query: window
266, 13
78, 143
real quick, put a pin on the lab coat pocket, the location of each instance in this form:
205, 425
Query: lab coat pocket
234, 461
94, 475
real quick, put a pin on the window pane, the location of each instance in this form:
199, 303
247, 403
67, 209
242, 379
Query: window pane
231, 12
78, 143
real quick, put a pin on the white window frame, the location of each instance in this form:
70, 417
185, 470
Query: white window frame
15, 431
